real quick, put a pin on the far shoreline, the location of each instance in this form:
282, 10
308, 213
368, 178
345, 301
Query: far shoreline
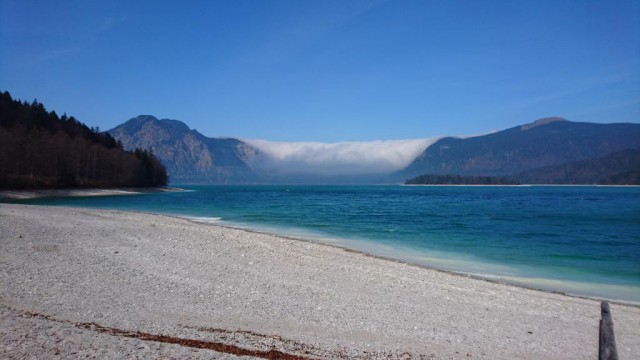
28, 194
522, 185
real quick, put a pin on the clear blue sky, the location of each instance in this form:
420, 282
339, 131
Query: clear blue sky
326, 70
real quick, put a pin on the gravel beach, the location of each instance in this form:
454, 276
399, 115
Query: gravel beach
33, 194
81, 283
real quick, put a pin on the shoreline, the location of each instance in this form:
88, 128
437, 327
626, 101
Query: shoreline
161, 275
79, 192
496, 279
510, 280
524, 185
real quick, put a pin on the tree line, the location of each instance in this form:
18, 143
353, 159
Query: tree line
435, 179
39, 149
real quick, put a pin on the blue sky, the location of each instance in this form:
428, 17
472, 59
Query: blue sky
326, 70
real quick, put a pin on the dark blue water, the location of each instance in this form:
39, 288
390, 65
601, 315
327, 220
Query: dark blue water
579, 240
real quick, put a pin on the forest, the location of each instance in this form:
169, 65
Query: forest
433, 179
39, 149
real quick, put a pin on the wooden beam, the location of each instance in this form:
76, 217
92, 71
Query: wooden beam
607, 339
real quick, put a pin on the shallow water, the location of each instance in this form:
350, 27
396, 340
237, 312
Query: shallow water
583, 240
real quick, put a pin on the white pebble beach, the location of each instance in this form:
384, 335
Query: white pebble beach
84, 283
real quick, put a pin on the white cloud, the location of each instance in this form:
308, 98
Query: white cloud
343, 158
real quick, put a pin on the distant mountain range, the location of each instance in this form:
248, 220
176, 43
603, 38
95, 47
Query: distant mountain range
550, 150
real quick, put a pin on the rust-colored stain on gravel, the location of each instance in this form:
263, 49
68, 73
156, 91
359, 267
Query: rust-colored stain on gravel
199, 344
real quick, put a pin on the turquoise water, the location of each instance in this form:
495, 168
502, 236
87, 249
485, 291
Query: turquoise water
579, 240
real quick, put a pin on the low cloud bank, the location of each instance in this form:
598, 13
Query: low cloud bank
343, 158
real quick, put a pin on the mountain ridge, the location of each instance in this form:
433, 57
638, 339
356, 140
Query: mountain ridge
518, 152
525, 147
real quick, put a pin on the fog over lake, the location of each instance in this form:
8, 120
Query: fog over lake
341, 158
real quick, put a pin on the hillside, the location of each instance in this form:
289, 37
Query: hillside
39, 149
190, 157
620, 168
546, 142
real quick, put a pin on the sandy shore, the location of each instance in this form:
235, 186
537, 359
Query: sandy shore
111, 284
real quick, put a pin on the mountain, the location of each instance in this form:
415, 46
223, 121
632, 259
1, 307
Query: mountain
543, 143
190, 157
550, 150
620, 168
